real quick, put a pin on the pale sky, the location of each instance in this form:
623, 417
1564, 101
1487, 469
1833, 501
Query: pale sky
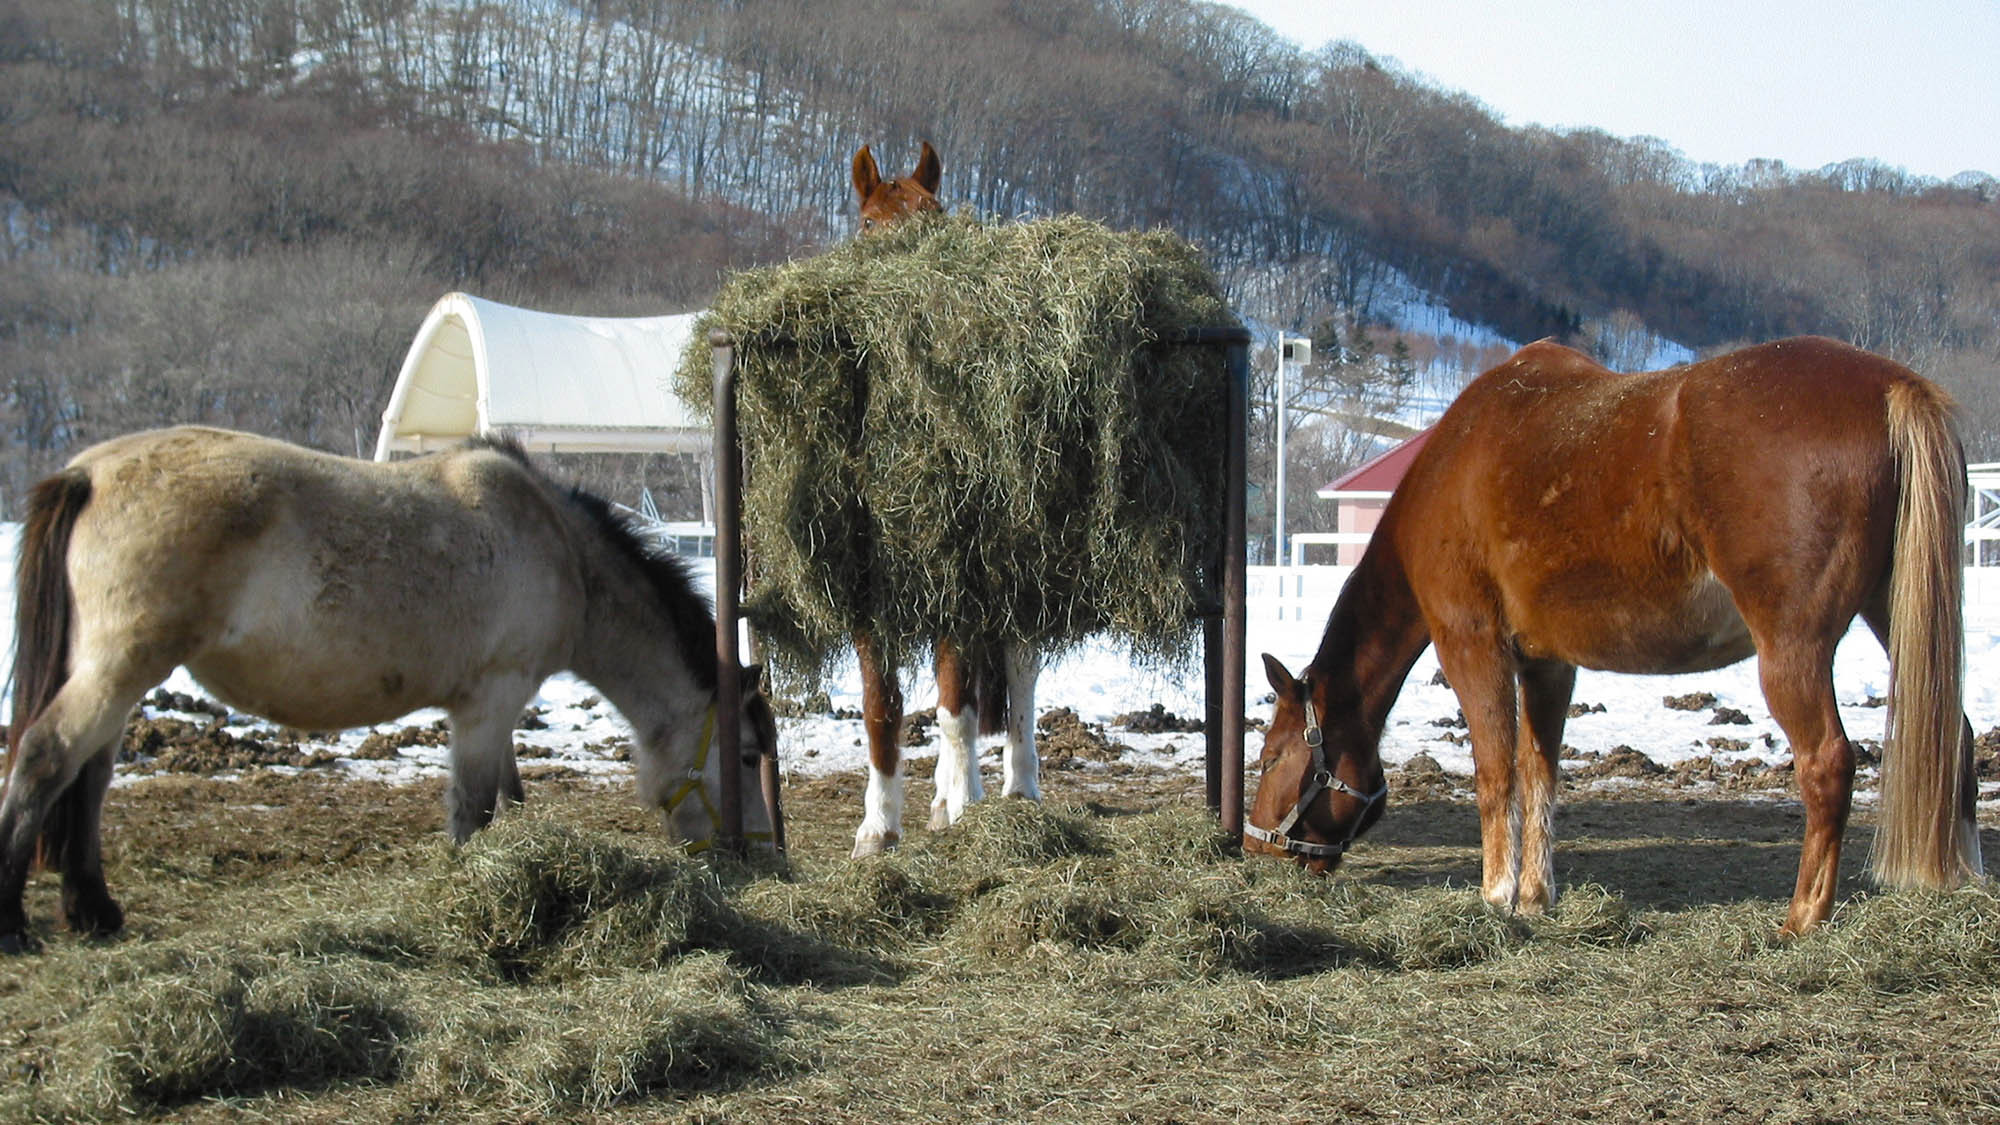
1912, 83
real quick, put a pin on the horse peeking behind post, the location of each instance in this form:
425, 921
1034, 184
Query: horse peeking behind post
979, 691
325, 593
1562, 516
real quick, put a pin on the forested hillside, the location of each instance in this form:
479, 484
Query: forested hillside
237, 210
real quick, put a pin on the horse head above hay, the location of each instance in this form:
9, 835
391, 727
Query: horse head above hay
888, 201
1562, 516
960, 437
325, 593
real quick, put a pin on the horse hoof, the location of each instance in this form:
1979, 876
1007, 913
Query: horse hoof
873, 845
16, 945
104, 926
101, 920
940, 818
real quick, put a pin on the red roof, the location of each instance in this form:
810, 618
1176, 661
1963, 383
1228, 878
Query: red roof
1383, 473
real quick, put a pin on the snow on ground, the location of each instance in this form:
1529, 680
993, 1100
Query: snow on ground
1099, 682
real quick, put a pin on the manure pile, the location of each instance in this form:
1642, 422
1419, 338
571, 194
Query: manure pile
975, 424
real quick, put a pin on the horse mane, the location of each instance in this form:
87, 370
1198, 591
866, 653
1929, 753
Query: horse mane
669, 576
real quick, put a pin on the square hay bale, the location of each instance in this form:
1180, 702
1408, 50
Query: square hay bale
971, 424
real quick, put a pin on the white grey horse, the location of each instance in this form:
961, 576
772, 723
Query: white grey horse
322, 593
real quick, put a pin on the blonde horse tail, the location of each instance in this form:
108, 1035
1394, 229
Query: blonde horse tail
1923, 838
43, 613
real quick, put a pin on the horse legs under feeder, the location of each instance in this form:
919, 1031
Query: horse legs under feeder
957, 779
883, 203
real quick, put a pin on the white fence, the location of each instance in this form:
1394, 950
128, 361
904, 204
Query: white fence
1982, 528
1297, 542
1293, 593
1306, 593
1982, 598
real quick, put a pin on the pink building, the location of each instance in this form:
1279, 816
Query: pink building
1363, 493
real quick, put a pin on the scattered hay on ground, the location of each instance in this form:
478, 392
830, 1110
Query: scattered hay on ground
883, 903
1903, 942
560, 968
527, 899
235, 1024
695, 1025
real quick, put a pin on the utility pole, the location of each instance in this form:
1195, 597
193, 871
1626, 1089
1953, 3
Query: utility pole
1293, 351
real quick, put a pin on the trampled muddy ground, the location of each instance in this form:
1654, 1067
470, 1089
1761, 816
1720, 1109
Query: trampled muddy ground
206, 804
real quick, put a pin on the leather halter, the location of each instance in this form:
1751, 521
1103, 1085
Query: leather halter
1322, 781
691, 785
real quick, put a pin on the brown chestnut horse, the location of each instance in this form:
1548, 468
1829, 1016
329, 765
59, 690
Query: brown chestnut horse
887, 201
977, 691
1563, 516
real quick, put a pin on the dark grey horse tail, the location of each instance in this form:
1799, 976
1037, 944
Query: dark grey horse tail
44, 610
989, 682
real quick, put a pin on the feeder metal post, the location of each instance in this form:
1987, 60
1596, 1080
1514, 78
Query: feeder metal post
1212, 642
728, 584
1235, 618
1225, 630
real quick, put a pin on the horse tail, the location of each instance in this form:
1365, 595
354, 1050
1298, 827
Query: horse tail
989, 677
1923, 838
44, 612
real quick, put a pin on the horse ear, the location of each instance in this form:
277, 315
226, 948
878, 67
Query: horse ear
753, 679
1280, 677
930, 170
866, 176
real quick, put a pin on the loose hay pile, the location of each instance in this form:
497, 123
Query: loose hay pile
551, 971
958, 423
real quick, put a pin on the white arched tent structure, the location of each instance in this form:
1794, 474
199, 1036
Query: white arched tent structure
567, 384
